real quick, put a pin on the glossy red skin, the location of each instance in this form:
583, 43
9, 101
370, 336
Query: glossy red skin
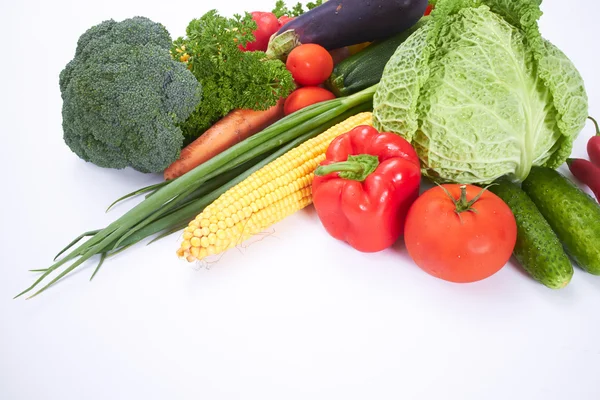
593, 149
310, 64
267, 24
284, 19
305, 97
368, 215
462, 249
587, 173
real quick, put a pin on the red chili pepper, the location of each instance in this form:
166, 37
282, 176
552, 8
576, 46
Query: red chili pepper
267, 24
363, 189
428, 9
593, 146
587, 173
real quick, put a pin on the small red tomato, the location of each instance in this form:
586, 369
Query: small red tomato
310, 64
304, 97
460, 233
267, 25
284, 19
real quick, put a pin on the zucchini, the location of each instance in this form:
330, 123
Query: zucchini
365, 68
340, 23
538, 249
573, 215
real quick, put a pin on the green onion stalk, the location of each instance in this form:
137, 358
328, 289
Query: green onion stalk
169, 206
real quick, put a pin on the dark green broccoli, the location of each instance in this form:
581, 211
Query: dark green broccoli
124, 96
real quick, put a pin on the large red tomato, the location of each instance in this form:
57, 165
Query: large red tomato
453, 234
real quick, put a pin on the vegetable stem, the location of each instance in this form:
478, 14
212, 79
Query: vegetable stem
357, 168
596, 125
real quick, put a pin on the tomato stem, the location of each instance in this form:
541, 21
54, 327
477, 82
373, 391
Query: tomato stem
462, 204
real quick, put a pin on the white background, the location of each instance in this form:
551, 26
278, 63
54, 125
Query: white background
294, 316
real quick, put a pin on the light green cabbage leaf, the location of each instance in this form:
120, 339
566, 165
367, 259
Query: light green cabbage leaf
480, 94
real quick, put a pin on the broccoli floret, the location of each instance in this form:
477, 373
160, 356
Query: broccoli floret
124, 96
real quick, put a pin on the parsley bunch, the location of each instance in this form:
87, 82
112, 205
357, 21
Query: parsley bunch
230, 78
281, 9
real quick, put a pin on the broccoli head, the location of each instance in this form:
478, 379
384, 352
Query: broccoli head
124, 96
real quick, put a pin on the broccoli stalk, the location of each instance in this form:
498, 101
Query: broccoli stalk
124, 96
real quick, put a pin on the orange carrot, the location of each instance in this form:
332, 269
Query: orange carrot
229, 130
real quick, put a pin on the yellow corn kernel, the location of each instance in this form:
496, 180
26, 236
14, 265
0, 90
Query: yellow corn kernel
275, 191
204, 241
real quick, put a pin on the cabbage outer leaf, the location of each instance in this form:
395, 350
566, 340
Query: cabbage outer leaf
480, 94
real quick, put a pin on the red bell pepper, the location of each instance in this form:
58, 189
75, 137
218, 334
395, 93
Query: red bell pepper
364, 187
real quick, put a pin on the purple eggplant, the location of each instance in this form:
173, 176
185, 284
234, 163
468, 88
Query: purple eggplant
339, 23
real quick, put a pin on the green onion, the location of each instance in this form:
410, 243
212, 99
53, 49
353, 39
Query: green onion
173, 203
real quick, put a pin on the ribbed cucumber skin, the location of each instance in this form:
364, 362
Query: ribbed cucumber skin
538, 249
365, 68
573, 215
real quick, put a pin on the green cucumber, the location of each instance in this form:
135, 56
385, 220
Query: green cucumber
365, 68
573, 215
538, 249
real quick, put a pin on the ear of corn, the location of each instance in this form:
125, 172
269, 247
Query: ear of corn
275, 191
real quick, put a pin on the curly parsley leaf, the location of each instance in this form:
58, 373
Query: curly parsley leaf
230, 78
281, 8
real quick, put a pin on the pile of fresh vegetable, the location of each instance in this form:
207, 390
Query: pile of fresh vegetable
348, 105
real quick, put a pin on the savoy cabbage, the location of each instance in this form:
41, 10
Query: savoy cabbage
480, 94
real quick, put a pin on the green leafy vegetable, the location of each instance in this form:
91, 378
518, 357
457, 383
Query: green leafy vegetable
480, 93
123, 96
281, 9
230, 78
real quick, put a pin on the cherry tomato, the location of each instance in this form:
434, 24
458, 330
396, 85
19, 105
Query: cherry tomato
457, 236
304, 97
284, 19
267, 25
310, 64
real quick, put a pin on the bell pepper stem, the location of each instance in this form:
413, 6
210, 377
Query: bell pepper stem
356, 168
343, 166
596, 124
